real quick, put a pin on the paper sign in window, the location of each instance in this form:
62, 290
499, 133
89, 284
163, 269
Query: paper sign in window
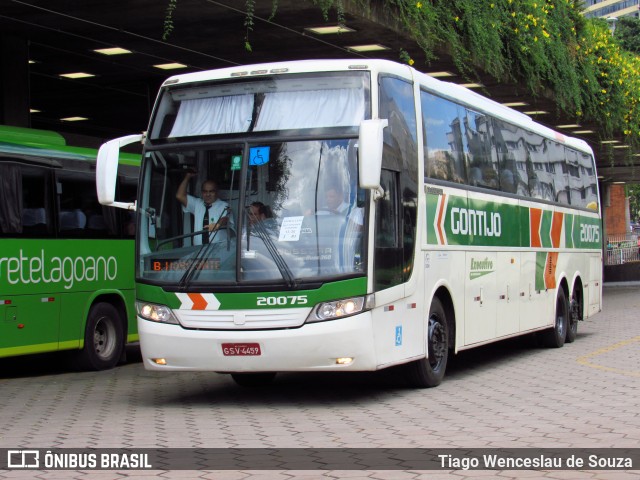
290, 229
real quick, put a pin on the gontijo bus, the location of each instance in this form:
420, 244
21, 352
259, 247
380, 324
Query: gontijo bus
461, 222
66, 262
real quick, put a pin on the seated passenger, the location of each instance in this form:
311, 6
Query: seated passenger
260, 217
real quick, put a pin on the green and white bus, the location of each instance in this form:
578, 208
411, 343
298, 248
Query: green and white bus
461, 222
66, 262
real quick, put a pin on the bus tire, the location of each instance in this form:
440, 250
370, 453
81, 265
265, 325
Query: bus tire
556, 336
429, 371
258, 379
575, 314
103, 338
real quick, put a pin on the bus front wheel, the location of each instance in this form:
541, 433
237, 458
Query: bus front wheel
429, 371
103, 338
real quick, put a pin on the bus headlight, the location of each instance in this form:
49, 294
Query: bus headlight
156, 313
340, 308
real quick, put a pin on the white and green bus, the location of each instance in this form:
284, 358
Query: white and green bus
66, 262
402, 219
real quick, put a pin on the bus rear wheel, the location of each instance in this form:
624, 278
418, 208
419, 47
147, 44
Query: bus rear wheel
556, 336
103, 338
429, 372
259, 379
575, 315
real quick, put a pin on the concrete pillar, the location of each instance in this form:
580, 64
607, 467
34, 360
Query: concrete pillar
14, 81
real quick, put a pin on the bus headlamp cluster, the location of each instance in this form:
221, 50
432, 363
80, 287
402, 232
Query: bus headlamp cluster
156, 313
341, 308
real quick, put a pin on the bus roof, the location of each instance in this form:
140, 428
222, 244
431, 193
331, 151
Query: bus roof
452, 91
31, 143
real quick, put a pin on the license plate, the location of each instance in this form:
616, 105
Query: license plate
240, 349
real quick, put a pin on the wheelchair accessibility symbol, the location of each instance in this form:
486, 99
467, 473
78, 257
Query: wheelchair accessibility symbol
398, 335
258, 155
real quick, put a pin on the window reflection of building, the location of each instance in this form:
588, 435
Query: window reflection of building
465, 146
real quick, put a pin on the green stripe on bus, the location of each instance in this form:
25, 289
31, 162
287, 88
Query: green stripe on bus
484, 223
39, 348
231, 301
541, 263
568, 230
545, 228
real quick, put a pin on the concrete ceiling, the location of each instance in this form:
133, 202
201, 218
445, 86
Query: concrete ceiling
61, 36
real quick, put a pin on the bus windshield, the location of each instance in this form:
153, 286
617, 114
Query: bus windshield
284, 212
277, 103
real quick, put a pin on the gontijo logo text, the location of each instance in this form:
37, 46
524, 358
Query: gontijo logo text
466, 221
24, 269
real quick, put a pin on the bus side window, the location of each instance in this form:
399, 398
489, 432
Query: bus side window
80, 214
36, 218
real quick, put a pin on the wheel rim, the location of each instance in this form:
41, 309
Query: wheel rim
104, 338
437, 342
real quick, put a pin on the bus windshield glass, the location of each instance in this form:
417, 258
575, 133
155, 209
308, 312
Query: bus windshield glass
288, 102
281, 212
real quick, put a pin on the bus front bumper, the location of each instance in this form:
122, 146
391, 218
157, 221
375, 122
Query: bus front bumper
322, 346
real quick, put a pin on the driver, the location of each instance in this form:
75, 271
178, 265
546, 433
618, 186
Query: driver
210, 212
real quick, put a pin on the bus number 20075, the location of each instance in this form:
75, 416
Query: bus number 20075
281, 300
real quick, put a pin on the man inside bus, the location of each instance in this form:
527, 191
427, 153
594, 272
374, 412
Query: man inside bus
210, 212
335, 205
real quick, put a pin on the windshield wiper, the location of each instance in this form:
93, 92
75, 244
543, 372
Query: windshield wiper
202, 253
283, 267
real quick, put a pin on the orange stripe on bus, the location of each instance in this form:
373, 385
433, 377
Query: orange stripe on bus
550, 270
556, 229
199, 303
440, 218
535, 216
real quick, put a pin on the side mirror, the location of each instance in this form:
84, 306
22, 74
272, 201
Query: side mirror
370, 144
107, 170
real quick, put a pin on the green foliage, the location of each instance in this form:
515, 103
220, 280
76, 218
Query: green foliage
628, 34
633, 192
168, 19
250, 6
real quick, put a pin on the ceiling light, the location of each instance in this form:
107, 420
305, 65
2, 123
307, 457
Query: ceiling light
33, 110
569, 125
619, 183
582, 131
536, 112
170, 66
440, 74
77, 75
112, 51
74, 119
330, 29
620, 146
31, 62
372, 47
515, 104
471, 85
610, 141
